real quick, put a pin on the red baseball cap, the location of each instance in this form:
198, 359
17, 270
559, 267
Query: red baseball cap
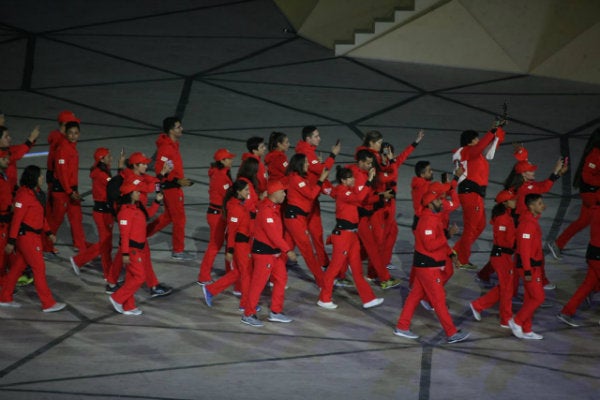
439, 188
524, 166
274, 186
100, 153
138, 158
521, 153
130, 186
505, 195
67, 116
428, 198
222, 154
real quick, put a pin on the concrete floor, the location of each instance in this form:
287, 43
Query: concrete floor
232, 72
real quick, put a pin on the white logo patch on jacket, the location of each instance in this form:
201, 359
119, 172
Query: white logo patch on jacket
502, 228
314, 162
526, 236
233, 219
269, 220
226, 186
18, 205
428, 232
164, 159
61, 161
301, 184
592, 165
122, 222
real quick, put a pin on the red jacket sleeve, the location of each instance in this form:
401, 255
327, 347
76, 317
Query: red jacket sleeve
125, 218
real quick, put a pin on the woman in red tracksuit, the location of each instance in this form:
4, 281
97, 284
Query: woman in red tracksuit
346, 245
268, 249
587, 179
276, 160
501, 259
102, 214
138, 164
530, 259
301, 196
132, 219
65, 197
220, 181
239, 233
28, 224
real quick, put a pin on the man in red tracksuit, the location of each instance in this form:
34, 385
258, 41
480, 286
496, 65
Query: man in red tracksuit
530, 259
431, 254
65, 196
54, 139
370, 242
267, 257
592, 279
256, 149
167, 146
471, 190
308, 146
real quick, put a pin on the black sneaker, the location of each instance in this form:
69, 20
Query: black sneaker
160, 290
110, 289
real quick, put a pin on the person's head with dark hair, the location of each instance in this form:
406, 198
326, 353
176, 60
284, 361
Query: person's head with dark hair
469, 138
298, 164
423, 169
308, 131
256, 145
72, 131
535, 203
344, 176
249, 169
364, 159
373, 140
31, 177
172, 127
279, 141
238, 190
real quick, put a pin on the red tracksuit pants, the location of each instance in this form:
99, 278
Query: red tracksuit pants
585, 216
265, 266
299, 231
370, 239
117, 266
390, 233
503, 292
533, 298
175, 213
61, 205
134, 279
104, 223
28, 252
473, 224
428, 282
315, 228
592, 279
346, 250
241, 271
217, 225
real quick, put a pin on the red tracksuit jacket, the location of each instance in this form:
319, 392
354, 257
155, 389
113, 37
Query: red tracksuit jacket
528, 188
301, 193
590, 174
276, 162
419, 186
504, 230
219, 183
132, 226
478, 168
66, 166
360, 180
261, 174
315, 167
167, 149
55, 138
28, 210
100, 179
347, 201
17, 152
529, 240
430, 239
238, 223
268, 228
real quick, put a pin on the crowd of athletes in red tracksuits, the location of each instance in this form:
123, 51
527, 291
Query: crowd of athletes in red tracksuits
272, 207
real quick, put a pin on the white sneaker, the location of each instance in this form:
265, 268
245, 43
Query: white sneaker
532, 336
549, 286
516, 329
330, 305
554, 250
476, 314
75, 267
55, 307
405, 334
11, 304
425, 304
373, 303
118, 307
135, 311
279, 317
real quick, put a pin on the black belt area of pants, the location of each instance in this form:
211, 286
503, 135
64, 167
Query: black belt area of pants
423, 261
102, 207
259, 247
534, 263
292, 212
592, 253
468, 186
497, 251
136, 245
5, 218
241, 238
24, 228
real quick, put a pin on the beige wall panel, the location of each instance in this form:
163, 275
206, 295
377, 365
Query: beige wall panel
448, 36
578, 61
337, 20
296, 11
